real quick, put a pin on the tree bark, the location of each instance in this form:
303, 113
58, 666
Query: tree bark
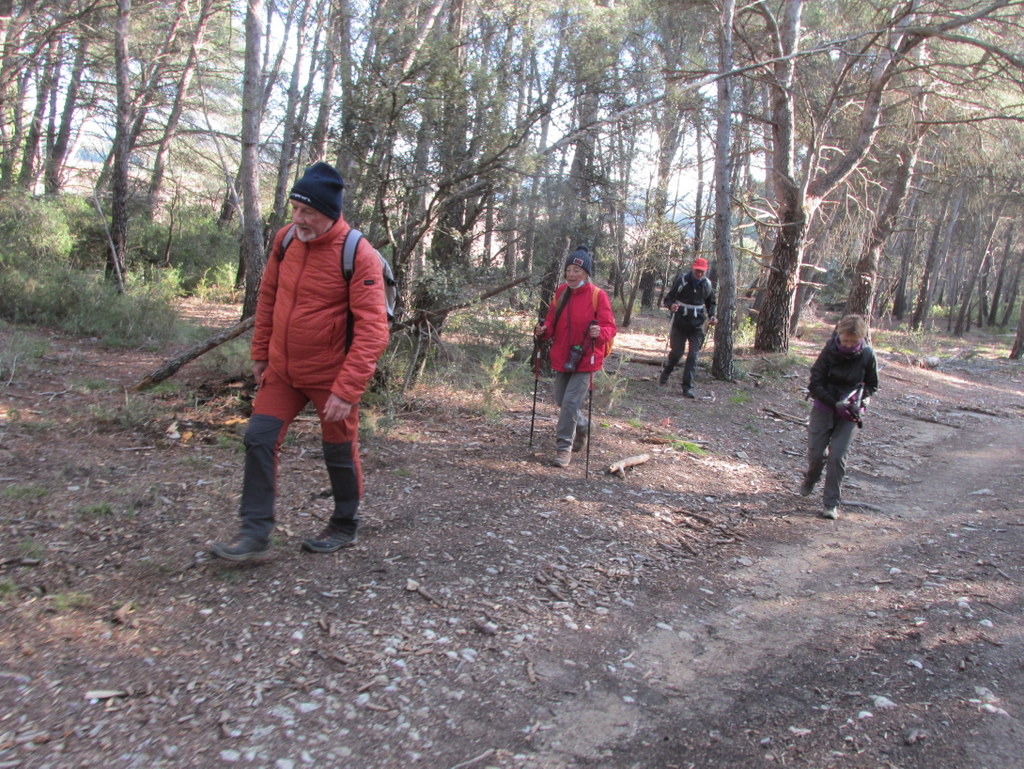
861, 298
62, 140
181, 94
722, 361
252, 254
950, 218
116, 259
44, 87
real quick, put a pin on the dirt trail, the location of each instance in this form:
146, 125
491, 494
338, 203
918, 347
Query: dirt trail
778, 658
498, 613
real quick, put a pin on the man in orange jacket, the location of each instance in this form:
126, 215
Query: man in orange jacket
303, 350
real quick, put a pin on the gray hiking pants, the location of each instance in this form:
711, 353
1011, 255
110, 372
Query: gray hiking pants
570, 393
828, 441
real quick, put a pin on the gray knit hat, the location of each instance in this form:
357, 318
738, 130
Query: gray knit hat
581, 258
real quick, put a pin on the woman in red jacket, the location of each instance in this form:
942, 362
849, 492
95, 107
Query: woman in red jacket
580, 324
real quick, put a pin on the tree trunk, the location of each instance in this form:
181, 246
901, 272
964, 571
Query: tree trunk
116, 259
62, 141
1001, 275
862, 294
776, 306
252, 254
170, 128
291, 129
722, 361
1014, 290
963, 319
950, 217
1018, 343
44, 87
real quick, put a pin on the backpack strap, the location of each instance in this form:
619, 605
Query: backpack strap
287, 241
348, 265
348, 253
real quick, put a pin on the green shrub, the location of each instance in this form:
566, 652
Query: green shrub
86, 304
33, 233
195, 254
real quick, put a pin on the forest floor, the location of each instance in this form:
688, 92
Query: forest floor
499, 612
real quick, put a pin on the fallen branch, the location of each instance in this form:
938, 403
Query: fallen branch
696, 516
864, 506
172, 366
785, 417
619, 468
428, 316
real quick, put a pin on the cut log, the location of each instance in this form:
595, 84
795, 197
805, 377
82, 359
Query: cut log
619, 468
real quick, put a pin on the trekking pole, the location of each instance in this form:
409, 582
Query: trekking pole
536, 378
590, 432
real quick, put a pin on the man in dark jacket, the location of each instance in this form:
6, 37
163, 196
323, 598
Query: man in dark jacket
692, 302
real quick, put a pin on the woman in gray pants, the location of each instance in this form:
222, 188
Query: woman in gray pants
843, 377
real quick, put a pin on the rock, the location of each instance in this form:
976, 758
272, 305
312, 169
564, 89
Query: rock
915, 736
883, 702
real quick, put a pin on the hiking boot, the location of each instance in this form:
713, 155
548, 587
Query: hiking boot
562, 458
245, 548
688, 392
663, 379
329, 540
830, 512
580, 439
806, 488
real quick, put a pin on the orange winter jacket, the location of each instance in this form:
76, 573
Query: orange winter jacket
302, 314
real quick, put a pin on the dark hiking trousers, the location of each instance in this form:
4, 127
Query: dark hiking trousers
276, 405
679, 340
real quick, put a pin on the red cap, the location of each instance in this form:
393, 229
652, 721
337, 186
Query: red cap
700, 263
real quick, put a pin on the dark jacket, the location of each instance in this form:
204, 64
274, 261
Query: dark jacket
688, 290
586, 304
835, 375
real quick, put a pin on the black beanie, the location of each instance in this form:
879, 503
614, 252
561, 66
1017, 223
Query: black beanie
320, 187
581, 258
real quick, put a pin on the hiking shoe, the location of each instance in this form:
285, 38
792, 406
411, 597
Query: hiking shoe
580, 439
688, 392
806, 488
245, 548
830, 512
562, 458
329, 540
663, 379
